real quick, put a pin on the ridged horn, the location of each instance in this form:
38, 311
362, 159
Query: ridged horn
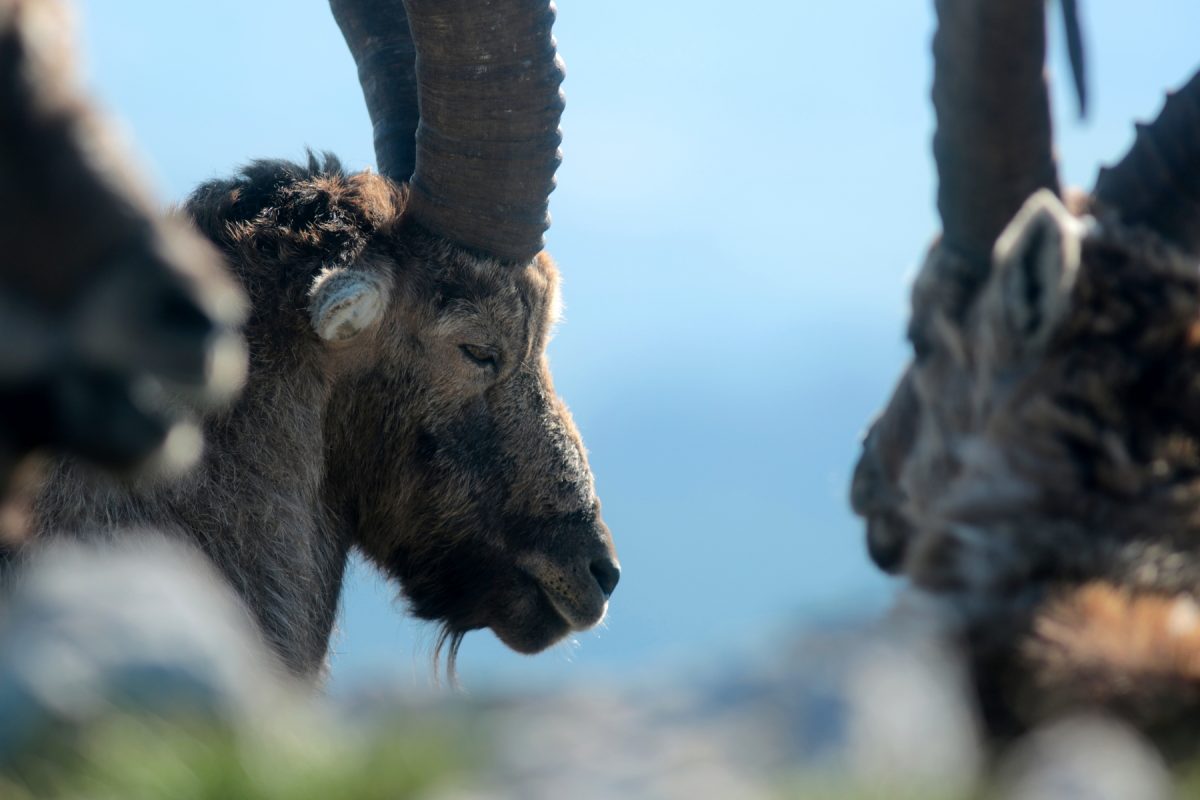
377, 33
1157, 183
993, 143
487, 145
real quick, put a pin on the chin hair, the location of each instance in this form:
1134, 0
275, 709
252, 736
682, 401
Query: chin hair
449, 640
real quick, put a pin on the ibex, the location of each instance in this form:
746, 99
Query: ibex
1037, 471
100, 297
398, 399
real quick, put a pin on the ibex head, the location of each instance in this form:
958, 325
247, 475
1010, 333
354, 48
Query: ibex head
1047, 431
457, 468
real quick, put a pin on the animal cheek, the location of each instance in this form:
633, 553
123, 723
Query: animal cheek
937, 563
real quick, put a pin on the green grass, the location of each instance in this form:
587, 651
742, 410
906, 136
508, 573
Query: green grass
127, 757
131, 758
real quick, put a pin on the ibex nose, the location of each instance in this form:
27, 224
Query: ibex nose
607, 572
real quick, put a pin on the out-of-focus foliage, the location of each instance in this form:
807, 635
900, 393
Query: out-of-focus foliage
131, 758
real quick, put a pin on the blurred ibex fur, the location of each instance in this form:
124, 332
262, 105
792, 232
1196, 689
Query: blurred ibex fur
398, 398
117, 323
1037, 472
102, 300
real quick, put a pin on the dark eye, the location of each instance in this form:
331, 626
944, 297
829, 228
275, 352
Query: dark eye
479, 355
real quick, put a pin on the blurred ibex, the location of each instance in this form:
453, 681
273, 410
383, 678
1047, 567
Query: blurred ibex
103, 302
1037, 471
398, 398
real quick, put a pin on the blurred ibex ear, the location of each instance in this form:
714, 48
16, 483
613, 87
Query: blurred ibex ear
343, 302
1036, 260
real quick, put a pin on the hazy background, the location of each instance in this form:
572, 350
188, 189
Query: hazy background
743, 200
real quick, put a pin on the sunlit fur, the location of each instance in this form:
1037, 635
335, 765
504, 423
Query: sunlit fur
1042, 477
1133, 652
469, 484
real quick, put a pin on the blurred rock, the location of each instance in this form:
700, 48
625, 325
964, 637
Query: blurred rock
606, 743
142, 625
911, 721
1085, 758
860, 710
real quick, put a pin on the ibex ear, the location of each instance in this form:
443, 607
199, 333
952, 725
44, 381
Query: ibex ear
344, 302
1036, 260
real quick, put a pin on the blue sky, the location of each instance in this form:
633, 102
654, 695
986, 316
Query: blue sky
742, 202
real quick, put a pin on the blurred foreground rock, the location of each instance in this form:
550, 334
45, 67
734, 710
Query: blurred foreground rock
823, 715
142, 626
143, 631
1085, 758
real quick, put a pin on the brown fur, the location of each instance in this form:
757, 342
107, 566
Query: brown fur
1099, 646
465, 481
1098, 642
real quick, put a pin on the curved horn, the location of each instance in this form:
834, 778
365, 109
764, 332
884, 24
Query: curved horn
487, 145
376, 31
993, 142
1157, 183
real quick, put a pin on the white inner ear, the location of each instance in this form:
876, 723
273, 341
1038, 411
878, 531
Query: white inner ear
1037, 259
345, 302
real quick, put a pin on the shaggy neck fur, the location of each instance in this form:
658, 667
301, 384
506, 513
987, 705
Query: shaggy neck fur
253, 504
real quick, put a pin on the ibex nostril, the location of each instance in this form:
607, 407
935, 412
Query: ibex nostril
606, 572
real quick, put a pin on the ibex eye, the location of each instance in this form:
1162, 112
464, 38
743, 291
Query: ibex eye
479, 355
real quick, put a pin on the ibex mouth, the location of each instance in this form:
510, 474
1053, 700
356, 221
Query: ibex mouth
544, 605
579, 616
576, 598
